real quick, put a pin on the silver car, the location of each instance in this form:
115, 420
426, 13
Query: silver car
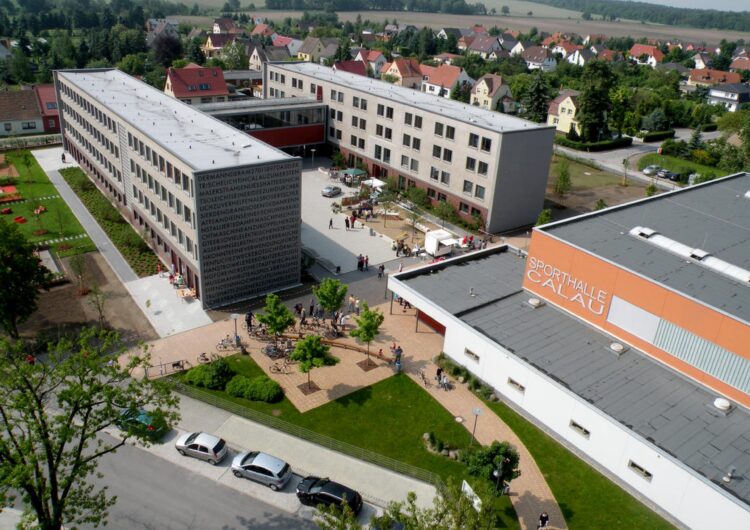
203, 446
651, 170
263, 468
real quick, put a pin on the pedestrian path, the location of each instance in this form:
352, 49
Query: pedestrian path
530, 494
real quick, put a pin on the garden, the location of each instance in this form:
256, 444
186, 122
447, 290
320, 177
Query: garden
130, 244
31, 201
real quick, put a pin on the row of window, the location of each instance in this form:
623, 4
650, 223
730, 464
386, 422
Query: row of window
93, 151
278, 77
82, 102
470, 187
274, 93
165, 167
383, 154
168, 225
160, 191
412, 164
92, 130
357, 142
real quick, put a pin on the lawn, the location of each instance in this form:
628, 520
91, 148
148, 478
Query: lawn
130, 244
678, 165
587, 498
388, 418
59, 221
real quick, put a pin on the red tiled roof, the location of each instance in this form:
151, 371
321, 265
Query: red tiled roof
47, 98
353, 67
281, 40
740, 63
445, 75
19, 105
197, 81
263, 29
555, 103
373, 55
608, 55
569, 47
408, 67
642, 49
708, 76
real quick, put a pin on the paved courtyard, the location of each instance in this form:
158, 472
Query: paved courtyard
336, 246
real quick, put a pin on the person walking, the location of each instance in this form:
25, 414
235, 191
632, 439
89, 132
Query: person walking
400, 267
543, 520
312, 306
381, 270
356, 306
439, 374
367, 263
330, 223
444, 383
354, 219
350, 307
346, 222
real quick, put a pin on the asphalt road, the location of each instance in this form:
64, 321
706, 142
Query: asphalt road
153, 494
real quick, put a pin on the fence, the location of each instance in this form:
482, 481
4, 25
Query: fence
306, 434
30, 141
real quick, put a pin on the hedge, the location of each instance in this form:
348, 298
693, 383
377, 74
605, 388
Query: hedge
260, 388
606, 145
656, 136
708, 127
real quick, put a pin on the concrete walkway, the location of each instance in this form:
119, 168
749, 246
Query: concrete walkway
529, 493
167, 313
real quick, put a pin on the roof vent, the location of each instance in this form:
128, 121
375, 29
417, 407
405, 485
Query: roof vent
535, 302
618, 347
642, 231
471, 292
722, 404
698, 254
747, 194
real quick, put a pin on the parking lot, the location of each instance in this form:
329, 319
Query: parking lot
337, 246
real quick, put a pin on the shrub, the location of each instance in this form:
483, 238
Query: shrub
703, 157
238, 386
708, 127
656, 136
605, 145
263, 388
214, 375
474, 384
431, 439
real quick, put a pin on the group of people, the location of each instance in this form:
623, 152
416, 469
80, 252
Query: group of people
363, 263
468, 242
442, 379
402, 249
403, 303
352, 305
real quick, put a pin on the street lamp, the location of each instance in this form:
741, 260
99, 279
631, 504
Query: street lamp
497, 474
312, 158
477, 412
234, 317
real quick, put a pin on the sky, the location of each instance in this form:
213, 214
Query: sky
722, 5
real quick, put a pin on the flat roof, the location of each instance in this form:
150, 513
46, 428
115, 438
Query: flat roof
714, 217
201, 141
655, 402
259, 105
430, 103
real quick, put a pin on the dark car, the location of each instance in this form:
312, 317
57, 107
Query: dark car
142, 423
662, 173
674, 177
313, 491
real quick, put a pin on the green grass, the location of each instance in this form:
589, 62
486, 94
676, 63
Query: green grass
587, 498
388, 418
130, 244
678, 165
584, 177
58, 220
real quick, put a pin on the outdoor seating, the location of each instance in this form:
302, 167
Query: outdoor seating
20, 219
6, 211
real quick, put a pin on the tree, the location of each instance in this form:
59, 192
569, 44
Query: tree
311, 353
276, 316
417, 196
505, 10
651, 190
78, 266
562, 183
51, 417
696, 140
22, 275
625, 168
444, 211
386, 200
332, 517
501, 457
234, 56
620, 104
167, 48
536, 100
195, 53
368, 326
545, 216
330, 294
593, 102
656, 121
98, 299
344, 50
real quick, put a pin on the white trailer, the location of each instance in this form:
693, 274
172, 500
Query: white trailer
438, 243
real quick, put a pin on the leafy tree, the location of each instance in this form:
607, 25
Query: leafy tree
22, 275
482, 462
195, 53
387, 199
311, 353
562, 182
330, 294
620, 101
51, 417
98, 299
505, 10
332, 517
167, 48
234, 56
134, 64
20, 68
593, 102
344, 50
545, 216
656, 121
444, 211
276, 316
536, 100
417, 196
368, 326
696, 141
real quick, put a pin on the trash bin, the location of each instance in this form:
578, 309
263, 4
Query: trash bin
398, 366
237, 342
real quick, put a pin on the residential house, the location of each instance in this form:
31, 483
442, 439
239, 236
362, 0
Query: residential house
367, 38
215, 44
581, 57
508, 44
374, 60
594, 38
565, 48
538, 58
19, 113
609, 55
646, 54
684, 71
353, 67
391, 30
702, 60
158, 27
444, 33
478, 29
562, 112
520, 47
225, 25
263, 30
446, 58
263, 54
196, 84
196, 33
484, 45
290, 43
403, 72
48, 106
731, 96
551, 40
740, 64
315, 48
464, 42
708, 77
489, 91
440, 80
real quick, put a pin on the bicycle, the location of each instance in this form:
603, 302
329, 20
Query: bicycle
226, 344
280, 368
425, 380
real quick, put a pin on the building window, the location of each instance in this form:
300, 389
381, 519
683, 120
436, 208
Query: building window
471, 163
404, 161
640, 470
468, 186
445, 177
416, 144
450, 132
516, 385
475, 212
414, 164
363, 104
447, 155
406, 140
431, 193
463, 207
434, 173
408, 117
355, 121
471, 355
378, 152
486, 144
362, 124
353, 141
338, 134
387, 156
379, 130
331, 132
28, 125
580, 429
313, 88
333, 95
436, 151
355, 101
441, 197
439, 129
482, 168
381, 109
479, 192
473, 140
417, 122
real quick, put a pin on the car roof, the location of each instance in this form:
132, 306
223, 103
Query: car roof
207, 440
338, 490
269, 462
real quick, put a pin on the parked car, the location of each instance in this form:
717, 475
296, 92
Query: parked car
651, 170
313, 491
662, 173
671, 175
263, 468
203, 446
330, 191
142, 423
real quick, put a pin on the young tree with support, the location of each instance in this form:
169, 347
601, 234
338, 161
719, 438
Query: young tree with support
330, 294
311, 353
368, 326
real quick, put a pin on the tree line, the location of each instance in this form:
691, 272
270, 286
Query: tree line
658, 14
430, 6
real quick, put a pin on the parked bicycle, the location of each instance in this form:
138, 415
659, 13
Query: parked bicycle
281, 367
424, 378
227, 343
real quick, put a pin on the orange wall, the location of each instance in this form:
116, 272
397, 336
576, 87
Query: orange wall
603, 280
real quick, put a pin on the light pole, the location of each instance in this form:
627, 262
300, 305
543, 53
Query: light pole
312, 158
234, 317
477, 412
497, 474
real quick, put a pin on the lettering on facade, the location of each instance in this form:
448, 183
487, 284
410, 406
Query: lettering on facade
566, 286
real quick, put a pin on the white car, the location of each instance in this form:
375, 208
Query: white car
202, 446
330, 191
